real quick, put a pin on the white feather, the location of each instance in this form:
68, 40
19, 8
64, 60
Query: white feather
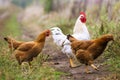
61, 40
80, 31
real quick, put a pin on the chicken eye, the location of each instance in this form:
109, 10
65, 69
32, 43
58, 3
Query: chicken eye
82, 16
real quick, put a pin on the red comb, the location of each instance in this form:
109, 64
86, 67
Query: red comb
82, 13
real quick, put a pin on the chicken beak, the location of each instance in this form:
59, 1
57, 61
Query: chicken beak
48, 33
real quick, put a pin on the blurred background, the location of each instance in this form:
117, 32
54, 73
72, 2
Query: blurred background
24, 19
50, 13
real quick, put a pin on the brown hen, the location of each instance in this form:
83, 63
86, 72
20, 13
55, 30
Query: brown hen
87, 51
26, 51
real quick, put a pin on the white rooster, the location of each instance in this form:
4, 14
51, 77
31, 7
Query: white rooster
80, 32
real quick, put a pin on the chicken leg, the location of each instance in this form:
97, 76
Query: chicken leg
74, 63
73, 60
87, 70
26, 68
94, 67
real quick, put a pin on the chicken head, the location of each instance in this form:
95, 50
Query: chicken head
82, 17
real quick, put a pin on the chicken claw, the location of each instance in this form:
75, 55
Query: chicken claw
93, 66
26, 68
87, 70
74, 63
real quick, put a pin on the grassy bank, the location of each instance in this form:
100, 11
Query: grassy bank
12, 27
111, 56
9, 68
7, 63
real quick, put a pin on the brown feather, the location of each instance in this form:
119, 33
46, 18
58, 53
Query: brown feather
87, 51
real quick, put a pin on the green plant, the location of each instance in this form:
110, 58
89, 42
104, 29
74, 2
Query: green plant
48, 5
11, 27
9, 68
106, 26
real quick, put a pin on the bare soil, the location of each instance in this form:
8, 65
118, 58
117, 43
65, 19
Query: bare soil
60, 62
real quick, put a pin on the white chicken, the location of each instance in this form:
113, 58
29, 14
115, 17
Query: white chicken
61, 40
80, 32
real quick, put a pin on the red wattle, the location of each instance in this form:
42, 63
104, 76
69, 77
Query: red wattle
83, 20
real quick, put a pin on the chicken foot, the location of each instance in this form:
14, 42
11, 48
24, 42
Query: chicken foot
74, 63
87, 70
71, 63
94, 67
26, 68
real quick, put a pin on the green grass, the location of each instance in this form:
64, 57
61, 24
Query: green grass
111, 54
12, 27
9, 68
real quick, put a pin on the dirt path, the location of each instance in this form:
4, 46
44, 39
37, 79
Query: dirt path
59, 61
